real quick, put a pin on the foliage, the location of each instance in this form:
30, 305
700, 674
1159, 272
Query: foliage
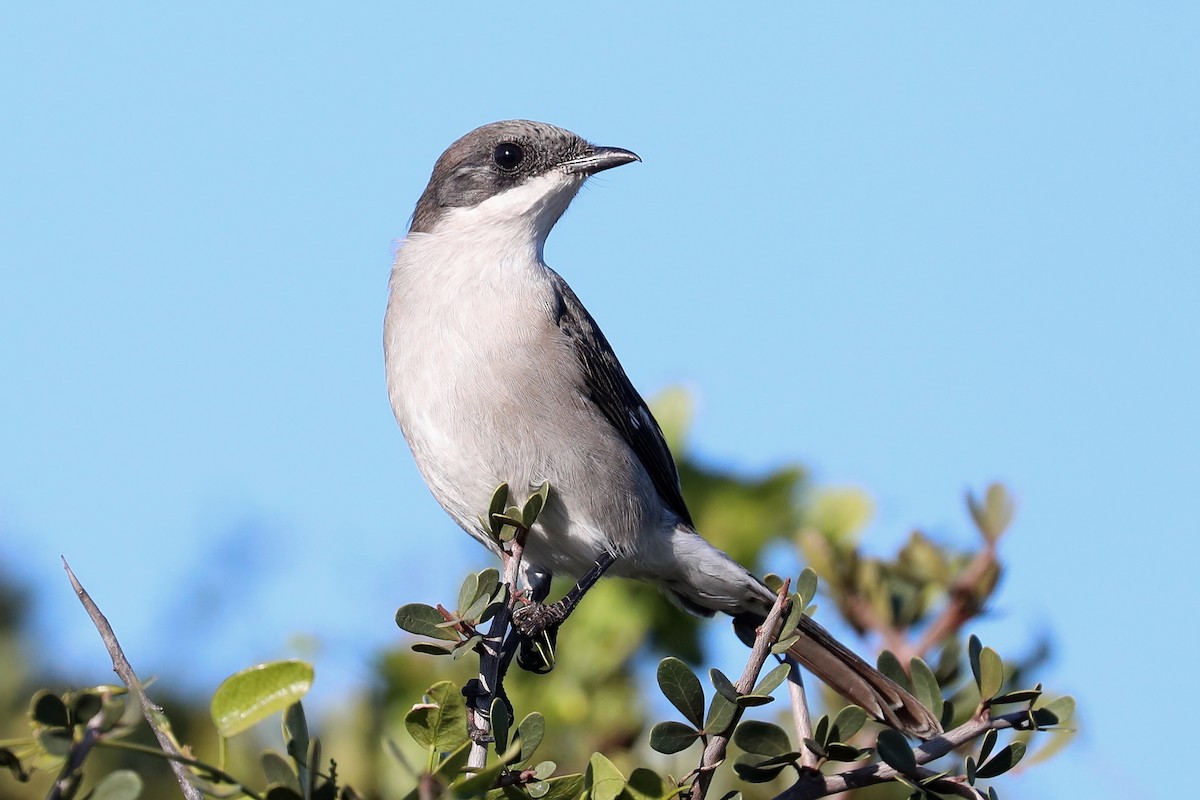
589, 728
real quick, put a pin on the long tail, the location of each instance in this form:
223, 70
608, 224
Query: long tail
703, 579
860, 683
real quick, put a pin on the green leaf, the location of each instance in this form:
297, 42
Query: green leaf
894, 751
991, 673
806, 586
794, 612
646, 784
783, 645
48, 709
603, 780
250, 696
1054, 712
772, 680
295, 739
475, 784
499, 500
763, 738
974, 649
925, 685
890, 665
748, 769
672, 737
122, 784
278, 771
424, 620
986, 743
535, 504
441, 723
531, 731
821, 731
84, 706
500, 723
431, 649
844, 752
466, 594
1019, 696
566, 787
682, 689
1003, 761
848, 722
723, 685
720, 714
752, 700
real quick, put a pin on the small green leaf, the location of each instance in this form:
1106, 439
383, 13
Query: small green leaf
748, 769
1019, 696
720, 714
565, 787
771, 681
499, 500
534, 505
424, 620
672, 737
974, 648
772, 582
752, 700
646, 784
603, 780
1054, 712
250, 696
84, 706
890, 665
431, 649
986, 743
531, 731
763, 738
925, 684
894, 751
122, 784
466, 594
806, 586
970, 770
441, 723
844, 752
295, 738
991, 673
848, 722
278, 771
682, 689
792, 620
1003, 761
785, 644
821, 731
723, 685
500, 723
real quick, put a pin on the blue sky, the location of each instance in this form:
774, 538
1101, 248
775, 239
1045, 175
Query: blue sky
916, 247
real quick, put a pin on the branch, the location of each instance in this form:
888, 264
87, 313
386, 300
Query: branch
491, 660
153, 714
962, 605
801, 716
714, 752
813, 785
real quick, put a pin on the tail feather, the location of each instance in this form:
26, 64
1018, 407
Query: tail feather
860, 683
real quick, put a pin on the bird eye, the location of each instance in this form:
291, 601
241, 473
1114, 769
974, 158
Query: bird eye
508, 156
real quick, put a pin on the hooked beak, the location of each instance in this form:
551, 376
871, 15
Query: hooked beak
600, 159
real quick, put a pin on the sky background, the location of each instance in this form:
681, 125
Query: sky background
915, 247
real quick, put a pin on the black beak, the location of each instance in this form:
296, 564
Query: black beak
600, 159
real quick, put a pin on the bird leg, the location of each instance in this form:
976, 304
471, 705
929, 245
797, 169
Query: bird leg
538, 623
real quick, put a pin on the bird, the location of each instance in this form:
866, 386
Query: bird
497, 373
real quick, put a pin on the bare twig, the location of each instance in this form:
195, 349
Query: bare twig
800, 715
718, 743
813, 785
153, 714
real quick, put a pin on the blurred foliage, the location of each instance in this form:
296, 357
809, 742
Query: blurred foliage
403, 736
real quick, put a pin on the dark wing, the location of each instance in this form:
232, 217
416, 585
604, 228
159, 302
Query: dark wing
609, 388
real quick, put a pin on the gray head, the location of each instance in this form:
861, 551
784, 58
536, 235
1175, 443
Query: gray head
491, 160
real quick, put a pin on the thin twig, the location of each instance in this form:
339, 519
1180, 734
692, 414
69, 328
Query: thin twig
801, 715
813, 785
153, 714
718, 743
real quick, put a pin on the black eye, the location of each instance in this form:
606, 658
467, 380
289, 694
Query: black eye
508, 155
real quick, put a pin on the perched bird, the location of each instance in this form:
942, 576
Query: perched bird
497, 373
